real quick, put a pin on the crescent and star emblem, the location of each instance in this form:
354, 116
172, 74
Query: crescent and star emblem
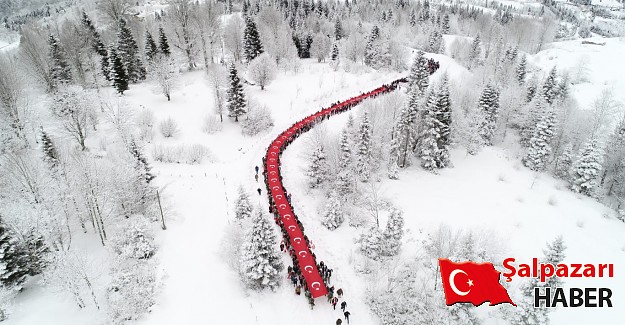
452, 284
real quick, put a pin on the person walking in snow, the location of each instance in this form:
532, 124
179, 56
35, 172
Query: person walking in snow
339, 292
256, 170
298, 290
256, 177
343, 305
259, 191
339, 321
335, 300
346, 314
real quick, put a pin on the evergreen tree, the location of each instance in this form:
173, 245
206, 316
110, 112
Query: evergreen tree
344, 177
141, 165
539, 149
363, 155
435, 42
50, 154
338, 30
436, 137
243, 208
445, 24
318, 169
13, 260
59, 68
431, 133
393, 233
419, 74
413, 18
335, 52
96, 44
371, 243
261, 265
476, 50
117, 74
521, 70
235, 95
489, 105
128, 52
564, 162
586, 169
151, 49
163, 44
371, 49
333, 216
252, 46
444, 119
563, 88
404, 127
615, 160
550, 87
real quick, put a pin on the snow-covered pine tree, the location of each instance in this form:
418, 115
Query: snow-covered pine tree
393, 233
338, 30
521, 70
252, 46
371, 49
550, 87
563, 88
50, 154
614, 160
243, 208
333, 215
151, 49
419, 75
489, 105
13, 260
117, 73
554, 255
404, 127
564, 162
344, 182
163, 43
585, 171
141, 165
96, 44
128, 52
318, 169
59, 68
363, 155
428, 146
435, 41
476, 51
261, 264
371, 243
539, 150
443, 114
235, 96
334, 55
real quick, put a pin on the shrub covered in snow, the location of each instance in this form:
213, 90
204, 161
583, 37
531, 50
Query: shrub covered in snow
211, 124
132, 289
258, 119
169, 128
180, 154
135, 241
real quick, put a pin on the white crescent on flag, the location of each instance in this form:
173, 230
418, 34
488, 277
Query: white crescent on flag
452, 284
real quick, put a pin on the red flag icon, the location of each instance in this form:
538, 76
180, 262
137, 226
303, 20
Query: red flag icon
472, 282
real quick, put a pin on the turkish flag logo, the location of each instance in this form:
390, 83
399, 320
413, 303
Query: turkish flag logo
471, 282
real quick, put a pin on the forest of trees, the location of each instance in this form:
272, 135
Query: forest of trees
57, 182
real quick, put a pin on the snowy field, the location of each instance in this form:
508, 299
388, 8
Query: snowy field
491, 193
512, 210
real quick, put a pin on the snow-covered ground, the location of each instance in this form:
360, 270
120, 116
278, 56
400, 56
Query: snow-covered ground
490, 193
598, 66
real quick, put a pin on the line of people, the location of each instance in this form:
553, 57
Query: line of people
284, 140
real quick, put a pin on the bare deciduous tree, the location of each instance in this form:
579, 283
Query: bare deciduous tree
181, 12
